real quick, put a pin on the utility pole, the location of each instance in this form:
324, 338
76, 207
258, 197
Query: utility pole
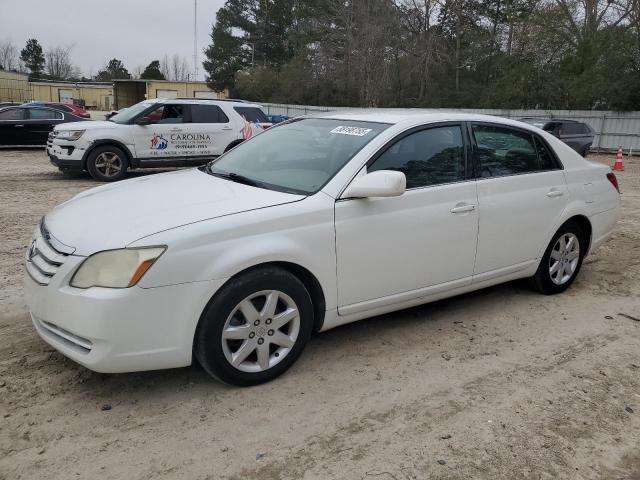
195, 40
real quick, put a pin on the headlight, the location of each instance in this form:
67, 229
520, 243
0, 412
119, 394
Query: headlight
116, 268
70, 135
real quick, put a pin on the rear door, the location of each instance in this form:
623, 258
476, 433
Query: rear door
40, 121
210, 130
12, 126
521, 195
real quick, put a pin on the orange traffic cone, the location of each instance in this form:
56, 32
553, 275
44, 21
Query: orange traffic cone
618, 166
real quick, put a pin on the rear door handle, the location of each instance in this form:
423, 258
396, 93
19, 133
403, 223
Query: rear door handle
18, 126
554, 192
463, 207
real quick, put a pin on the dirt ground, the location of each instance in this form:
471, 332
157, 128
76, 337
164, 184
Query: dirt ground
499, 384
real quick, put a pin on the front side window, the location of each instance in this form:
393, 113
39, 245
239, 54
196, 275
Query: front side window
298, 157
126, 115
12, 114
208, 114
42, 114
166, 114
504, 151
427, 157
252, 114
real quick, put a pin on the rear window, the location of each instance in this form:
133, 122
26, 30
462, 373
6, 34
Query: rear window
42, 114
208, 114
570, 128
252, 114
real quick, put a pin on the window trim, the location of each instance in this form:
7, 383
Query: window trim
476, 163
427, 126
56, 112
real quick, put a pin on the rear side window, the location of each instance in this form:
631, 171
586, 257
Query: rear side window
252, 114
570, 128
427, 157
12, 114
503, 151
42, 114
208, 114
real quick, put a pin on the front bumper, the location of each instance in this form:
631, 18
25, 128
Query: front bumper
118, 330
65, 155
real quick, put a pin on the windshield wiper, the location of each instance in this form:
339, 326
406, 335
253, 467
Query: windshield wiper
235, 177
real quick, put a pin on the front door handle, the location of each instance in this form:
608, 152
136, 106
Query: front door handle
463, 207
554, 192
226, 128
20, 126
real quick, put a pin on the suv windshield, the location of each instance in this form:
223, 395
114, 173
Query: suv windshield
129, 113
297, 157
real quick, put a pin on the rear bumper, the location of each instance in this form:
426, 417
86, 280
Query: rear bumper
603, 225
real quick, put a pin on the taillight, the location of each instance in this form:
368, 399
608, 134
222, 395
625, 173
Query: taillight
614, 181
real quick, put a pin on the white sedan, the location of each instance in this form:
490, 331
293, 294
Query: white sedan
313, 224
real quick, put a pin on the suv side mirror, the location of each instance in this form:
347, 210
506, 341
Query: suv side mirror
383, 183
143, 121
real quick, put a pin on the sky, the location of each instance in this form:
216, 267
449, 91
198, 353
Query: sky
134, 31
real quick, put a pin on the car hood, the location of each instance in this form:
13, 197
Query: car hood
115, 215
86, 125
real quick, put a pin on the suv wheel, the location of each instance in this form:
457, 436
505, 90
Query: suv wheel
107, 163
255, 327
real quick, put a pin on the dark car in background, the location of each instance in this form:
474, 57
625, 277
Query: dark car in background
577, 135
30, 125
76, 110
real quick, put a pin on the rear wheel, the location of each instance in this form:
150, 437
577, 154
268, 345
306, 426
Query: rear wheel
255, 327
107, 163
561, 261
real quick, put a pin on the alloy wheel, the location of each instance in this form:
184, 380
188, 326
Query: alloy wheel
260, 331
564, 258
108, 164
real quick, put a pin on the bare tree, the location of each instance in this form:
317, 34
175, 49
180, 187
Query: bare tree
179, 68
59, 63
8, 55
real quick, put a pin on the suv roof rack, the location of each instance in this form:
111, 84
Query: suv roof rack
212, 99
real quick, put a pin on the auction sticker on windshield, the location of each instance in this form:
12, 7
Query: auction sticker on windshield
357, 131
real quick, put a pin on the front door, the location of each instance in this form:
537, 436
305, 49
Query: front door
521, 194
158, 140
393, 249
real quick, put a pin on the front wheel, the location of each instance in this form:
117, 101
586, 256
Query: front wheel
107, 164
255, 327
561, 261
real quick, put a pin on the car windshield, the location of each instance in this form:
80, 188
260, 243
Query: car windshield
131, 112
297, 157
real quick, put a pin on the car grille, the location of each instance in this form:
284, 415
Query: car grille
43, 259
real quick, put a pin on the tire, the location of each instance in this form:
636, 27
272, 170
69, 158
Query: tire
233, 144
261, 352
107, 163
549, 283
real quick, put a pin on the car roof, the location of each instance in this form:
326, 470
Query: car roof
199, 101
413, 115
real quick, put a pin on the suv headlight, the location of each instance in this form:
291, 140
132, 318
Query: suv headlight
70, 135
121, 268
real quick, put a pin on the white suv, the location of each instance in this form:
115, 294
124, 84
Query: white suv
154, 133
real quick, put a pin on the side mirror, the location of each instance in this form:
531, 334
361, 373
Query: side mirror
383, 183
143, 121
